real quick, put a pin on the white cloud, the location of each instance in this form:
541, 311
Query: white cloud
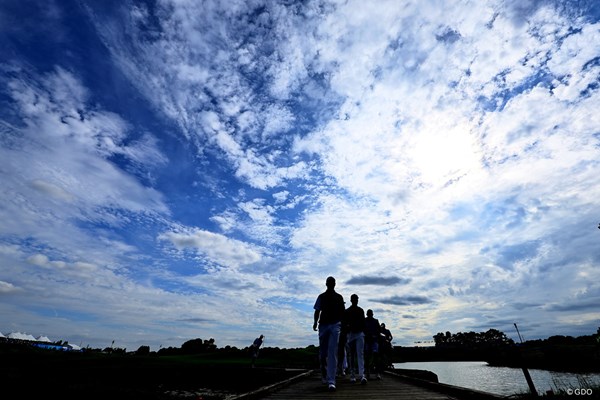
51, 190
257, 211
38, 259
227, 221
281, 196
6, 287
218, 248
414, 143
71, 165
170, 75
277, 120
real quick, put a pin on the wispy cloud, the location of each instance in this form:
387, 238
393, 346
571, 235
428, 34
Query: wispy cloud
218, 248
6, 287
404, 300
377, 280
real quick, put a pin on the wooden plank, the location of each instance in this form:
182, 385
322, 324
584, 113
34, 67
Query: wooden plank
388, 388
263, 391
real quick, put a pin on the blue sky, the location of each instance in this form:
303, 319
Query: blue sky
175, 169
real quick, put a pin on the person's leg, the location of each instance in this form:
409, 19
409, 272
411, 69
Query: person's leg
332, 351
348, 365
352, 355
323, 344
384, 356
341, 354
367, 357
377, 360
360, 356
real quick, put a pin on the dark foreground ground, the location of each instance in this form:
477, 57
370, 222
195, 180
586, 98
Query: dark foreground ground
32, 373
39, 375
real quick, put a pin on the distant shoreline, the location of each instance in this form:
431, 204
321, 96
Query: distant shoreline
576, 358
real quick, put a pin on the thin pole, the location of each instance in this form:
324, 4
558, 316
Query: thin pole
518, 333
534, 392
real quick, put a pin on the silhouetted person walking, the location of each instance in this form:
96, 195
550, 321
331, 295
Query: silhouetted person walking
372, 339
329, 311
255, 347
354, 321
386, 347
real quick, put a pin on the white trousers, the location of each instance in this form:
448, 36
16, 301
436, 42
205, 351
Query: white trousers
356, 345
329, 338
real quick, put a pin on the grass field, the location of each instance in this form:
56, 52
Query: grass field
37, 374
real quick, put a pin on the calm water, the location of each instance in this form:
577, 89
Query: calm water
500, 380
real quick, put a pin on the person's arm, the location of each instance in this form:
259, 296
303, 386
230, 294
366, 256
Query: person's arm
316, 319
346, 320
381, 332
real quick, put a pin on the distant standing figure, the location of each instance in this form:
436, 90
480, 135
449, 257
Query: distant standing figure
255, 347
354, 320
329, 311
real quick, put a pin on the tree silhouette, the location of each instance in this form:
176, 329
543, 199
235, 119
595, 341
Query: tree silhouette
197, 346
143, 351
492, 337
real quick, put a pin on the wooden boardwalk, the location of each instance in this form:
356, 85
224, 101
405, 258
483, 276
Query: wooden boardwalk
391, 387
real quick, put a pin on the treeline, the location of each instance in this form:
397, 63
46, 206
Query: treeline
193, 346
561, 353
461, 346
208, 350
202, 352
490, 338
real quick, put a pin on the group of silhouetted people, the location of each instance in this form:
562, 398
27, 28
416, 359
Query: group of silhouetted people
348, 339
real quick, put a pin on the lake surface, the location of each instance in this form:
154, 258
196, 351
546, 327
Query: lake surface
501, 380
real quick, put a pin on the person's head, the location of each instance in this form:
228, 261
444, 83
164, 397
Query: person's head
354, 299
383, 325
369, 313
330, 282
262, 336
